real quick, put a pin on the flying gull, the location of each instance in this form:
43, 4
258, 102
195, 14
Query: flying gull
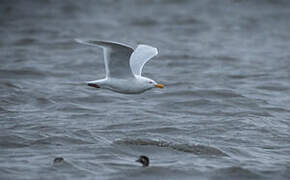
123, 66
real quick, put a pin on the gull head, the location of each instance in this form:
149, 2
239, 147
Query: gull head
149, 83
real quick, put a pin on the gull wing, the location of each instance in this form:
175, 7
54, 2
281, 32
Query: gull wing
140, 56
116, 57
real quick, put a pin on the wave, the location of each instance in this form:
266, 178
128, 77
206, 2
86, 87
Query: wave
25, 42
219, 93
21, 73
13, 141
273, 87
59, 140
235, 172
187, 148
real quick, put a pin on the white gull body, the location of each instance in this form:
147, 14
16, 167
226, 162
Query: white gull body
123, 66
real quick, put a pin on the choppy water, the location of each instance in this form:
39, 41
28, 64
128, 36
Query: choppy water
224, 114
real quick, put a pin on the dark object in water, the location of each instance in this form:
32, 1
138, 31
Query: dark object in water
58, 160
144, 160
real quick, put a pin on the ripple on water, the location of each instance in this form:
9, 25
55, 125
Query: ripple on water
215, 93
13, 141
29, 73
59, 140
9, 84
25, 42
187, 148
144, 22
273, 87
235, 173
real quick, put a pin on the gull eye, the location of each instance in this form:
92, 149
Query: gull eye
150, 82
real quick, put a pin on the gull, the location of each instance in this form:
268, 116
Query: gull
123, 66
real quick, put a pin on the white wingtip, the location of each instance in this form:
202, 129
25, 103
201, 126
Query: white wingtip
80, 41
156, 51
153, 50
88, 42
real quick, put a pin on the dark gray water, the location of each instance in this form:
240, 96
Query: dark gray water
224, 114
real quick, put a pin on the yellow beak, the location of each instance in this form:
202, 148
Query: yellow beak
159, 85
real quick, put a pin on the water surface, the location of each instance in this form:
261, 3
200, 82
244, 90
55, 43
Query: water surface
224, 113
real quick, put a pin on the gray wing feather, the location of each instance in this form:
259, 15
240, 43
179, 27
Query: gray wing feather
116, 57
141, 55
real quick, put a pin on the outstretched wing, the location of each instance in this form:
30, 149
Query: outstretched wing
140, 56
116, 57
